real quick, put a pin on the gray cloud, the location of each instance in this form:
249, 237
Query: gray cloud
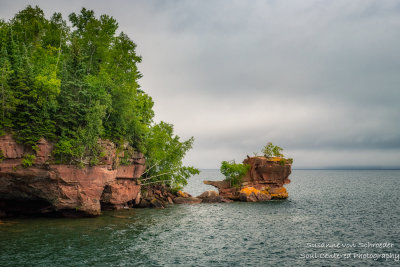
319, 78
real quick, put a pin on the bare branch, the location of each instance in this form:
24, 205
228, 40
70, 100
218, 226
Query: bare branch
162, 181
154, 176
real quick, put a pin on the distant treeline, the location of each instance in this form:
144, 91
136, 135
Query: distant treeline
74, 85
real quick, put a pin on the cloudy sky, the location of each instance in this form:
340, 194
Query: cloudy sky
318, 78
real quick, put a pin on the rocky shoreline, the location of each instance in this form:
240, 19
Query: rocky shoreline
46, 188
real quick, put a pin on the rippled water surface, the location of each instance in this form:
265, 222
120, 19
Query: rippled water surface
324, 207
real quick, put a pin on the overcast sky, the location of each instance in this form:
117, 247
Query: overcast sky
318, 78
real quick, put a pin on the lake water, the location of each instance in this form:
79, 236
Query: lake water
343, 210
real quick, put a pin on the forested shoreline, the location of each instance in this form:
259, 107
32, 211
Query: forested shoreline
76, 83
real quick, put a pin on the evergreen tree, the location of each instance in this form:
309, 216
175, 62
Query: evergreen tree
7, 99
76, 85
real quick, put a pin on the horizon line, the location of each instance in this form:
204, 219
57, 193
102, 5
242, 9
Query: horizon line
344, 168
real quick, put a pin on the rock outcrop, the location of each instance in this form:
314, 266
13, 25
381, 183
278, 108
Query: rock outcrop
47, 188
43, 187
155, 196
212, 196
264, 181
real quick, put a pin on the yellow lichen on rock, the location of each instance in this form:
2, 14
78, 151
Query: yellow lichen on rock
182, 194
274, 159
249, 190
279, 193
265, 191
251, 194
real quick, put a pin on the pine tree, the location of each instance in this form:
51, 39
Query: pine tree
8, 101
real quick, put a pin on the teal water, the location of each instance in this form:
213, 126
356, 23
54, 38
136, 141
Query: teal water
343, 208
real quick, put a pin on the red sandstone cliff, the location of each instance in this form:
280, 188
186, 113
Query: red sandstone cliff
264, 181
65, 189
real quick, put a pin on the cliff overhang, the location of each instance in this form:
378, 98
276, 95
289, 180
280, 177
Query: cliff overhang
66, 190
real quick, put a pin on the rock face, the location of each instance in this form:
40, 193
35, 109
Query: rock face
267, 172
68, 190
264, 181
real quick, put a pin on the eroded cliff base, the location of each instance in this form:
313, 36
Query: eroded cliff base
65, 190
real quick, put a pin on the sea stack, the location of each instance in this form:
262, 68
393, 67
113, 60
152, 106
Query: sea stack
264, 180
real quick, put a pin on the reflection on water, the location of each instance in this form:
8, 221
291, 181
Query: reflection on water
323, 207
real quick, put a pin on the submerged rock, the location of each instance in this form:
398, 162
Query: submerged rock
211, 196
208, 194
187, 200
155, 203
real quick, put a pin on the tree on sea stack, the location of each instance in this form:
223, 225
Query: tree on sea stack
270, 150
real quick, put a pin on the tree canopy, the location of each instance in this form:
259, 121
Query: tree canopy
234, 172
74, 85
270, 150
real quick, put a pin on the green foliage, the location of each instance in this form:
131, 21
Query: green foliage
35, 148
27, 160
234, 172
2, 157
277, 151
65, 150
128, 153
175, 189
270, 150
7, 96
164, 153
282, 162
290, 160
77, 84
94, 161
267, 150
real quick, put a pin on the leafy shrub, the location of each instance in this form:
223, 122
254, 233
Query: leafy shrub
164, 154
28, 160
66, 150
277, 151
270, 150
1, 156
175, 189
234, 172
290, 160
282, 162
267, 150
128, 154
35, 148
94, 161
